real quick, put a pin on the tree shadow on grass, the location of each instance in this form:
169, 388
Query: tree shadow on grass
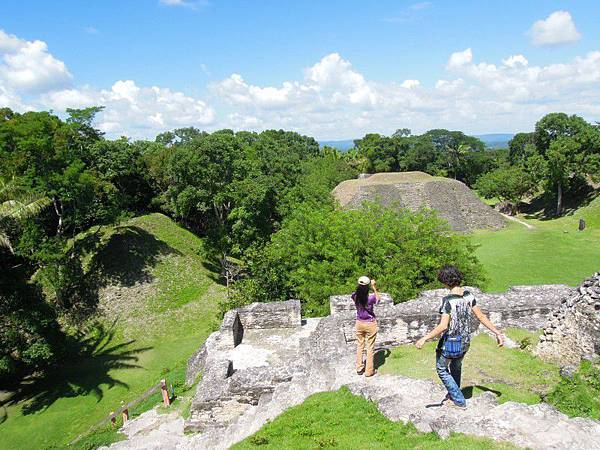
124, 259
87, 372
577, 196
127, 257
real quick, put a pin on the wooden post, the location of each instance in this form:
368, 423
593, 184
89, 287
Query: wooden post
113, 419
165, 393
125, 415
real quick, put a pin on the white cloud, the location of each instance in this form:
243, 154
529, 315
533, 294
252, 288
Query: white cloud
329, 100
409, 13
410, 84
91, 30
476, 97
515, 61
557, 28
458, 59
138, 112
192, 4
28, 67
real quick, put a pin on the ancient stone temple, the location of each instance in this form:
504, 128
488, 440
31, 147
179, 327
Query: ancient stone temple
266, 359
453, 200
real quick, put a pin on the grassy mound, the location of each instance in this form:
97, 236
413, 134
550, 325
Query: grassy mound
158, 301
553, 252
342, 420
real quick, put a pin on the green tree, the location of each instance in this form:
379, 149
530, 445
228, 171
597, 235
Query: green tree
16, 205
321, 251
455, 153
380, 152
507, 183
567, 147
517, 147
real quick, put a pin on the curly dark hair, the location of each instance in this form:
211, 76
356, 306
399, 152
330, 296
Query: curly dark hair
450, 276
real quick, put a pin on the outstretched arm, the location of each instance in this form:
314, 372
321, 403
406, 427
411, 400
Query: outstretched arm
488, 324
439, 329
374, 286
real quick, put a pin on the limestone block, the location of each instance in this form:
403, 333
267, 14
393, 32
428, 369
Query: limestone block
197, 362
271, 315
232, 331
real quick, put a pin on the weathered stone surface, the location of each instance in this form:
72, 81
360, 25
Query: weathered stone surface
521, 306
232, 331
273, 369
573, 329
271, 315
453, 200
197, 361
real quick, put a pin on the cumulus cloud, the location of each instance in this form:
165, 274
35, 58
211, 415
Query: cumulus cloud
458, 59
515, 61
28, 70
28, 67
333, 100
329, 100
410, 84
134, 111
558, 28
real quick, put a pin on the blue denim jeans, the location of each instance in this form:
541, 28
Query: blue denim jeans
449, 370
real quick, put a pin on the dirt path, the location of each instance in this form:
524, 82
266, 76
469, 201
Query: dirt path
514, 219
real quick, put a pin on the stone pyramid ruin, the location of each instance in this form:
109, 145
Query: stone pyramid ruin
453, 200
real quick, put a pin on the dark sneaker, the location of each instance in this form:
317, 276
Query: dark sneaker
456, 405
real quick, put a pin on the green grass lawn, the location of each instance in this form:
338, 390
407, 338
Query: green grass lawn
342, 420
512, 374
553, 252
151, 339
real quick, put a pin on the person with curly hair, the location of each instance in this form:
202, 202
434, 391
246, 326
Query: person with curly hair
458, 311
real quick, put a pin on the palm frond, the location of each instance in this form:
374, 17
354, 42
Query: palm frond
5, 242
9, 189
24, 208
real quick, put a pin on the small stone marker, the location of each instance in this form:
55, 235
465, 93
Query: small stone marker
165, 392
581, 224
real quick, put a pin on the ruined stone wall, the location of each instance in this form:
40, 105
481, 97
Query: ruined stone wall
265, 351
521, 306
573, 328
272, 315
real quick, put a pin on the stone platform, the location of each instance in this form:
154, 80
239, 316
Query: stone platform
252, 373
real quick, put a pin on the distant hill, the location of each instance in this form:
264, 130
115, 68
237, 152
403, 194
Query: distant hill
495, 140
344, 145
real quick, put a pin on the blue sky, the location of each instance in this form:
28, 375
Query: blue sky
191, 49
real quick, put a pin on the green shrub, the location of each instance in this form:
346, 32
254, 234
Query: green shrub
322, 251
580, 395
